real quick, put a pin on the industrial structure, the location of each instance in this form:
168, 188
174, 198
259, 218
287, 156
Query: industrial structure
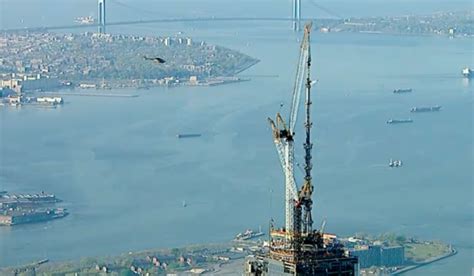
101, 12
297, 249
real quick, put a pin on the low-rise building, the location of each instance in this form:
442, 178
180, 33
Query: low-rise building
376, 255
393, 256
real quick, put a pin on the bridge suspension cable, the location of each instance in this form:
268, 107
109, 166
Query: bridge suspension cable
326, 10
133, 8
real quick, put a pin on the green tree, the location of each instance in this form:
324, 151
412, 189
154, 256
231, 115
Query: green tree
176, 252
126, 272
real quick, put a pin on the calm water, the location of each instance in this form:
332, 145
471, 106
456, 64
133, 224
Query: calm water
123, 174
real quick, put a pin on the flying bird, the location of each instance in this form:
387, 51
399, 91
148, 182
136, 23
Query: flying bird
155, 59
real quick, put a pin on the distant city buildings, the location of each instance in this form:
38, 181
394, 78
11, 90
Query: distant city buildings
452, 32
167, 41
392, 256
19, 82
48, 61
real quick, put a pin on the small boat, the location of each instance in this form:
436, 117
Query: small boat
399, 121
189, 135
426, 109
468, 73
395, 163
85, 20
399, 91
248, 234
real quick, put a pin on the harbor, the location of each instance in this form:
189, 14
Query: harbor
60, 150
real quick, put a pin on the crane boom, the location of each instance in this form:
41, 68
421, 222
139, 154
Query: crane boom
284, 144
284, 140
280, 147
299, 83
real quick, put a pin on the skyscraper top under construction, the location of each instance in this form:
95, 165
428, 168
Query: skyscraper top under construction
297, 249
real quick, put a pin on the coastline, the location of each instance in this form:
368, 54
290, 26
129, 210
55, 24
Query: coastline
226, 256
427, 262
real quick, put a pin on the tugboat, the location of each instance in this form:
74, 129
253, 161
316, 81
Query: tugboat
395, 163
188, 135
399, 121
468, 73
399, 91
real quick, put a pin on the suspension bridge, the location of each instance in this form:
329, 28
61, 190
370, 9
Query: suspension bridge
102, 22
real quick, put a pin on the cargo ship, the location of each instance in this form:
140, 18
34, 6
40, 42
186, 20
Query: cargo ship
191, 135
426, 109
399, 121
8, 200
41, 197
12, 217
399, 91
467, 73
248, 234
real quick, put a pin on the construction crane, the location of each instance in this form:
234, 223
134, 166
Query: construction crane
283, 137
298, 249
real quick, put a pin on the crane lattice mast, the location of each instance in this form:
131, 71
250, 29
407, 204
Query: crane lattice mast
305, 196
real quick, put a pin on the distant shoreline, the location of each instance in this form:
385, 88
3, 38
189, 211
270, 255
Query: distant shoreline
213, 256
434, 23
427, 262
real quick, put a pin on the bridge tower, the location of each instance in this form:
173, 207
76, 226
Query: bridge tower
101, 16
296, 15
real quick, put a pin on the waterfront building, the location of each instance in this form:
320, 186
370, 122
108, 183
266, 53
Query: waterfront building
368, 255
376, 255
393, 256
11, 83
452, 31
6, 92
